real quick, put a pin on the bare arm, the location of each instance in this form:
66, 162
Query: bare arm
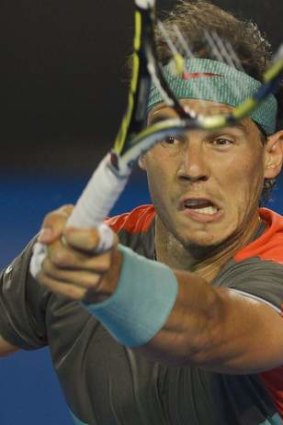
219, 329
6, 348
210, 327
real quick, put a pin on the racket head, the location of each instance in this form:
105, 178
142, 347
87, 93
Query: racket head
134, 137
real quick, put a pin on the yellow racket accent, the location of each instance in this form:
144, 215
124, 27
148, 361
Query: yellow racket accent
275, 70
178, 65
123, 132
245, 108
212, 122
138, 29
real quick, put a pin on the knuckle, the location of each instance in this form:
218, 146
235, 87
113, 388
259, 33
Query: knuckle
94, 281
58, 216
48, 220
66, 210
100, 263
105, 262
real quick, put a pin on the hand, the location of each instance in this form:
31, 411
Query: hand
72, 267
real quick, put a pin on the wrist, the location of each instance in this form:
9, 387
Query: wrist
108, 282
144, 297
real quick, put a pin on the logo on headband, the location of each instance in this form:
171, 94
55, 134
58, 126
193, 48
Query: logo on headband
192, 75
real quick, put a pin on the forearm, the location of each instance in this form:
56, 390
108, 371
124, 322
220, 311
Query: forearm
193, 323
179, 318
175, 316
169, 313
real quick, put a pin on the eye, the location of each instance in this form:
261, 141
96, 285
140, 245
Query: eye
173, 141
221, 141
170, 140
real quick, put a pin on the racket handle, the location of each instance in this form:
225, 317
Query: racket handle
94, 204
98, 197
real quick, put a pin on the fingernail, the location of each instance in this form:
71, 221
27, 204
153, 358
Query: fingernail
45, 235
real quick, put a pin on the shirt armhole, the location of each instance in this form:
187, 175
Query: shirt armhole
256, 298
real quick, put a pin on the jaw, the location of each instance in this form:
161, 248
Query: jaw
203, 240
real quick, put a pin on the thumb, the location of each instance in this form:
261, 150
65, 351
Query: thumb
53, 224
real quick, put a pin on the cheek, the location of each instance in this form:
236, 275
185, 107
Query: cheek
158, 166
157, 181
245, 184
160, 176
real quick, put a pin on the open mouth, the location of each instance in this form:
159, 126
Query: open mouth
201, 206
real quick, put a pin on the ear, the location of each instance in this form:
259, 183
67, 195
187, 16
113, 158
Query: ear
141, 162
273, 158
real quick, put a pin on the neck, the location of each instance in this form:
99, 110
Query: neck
206, 261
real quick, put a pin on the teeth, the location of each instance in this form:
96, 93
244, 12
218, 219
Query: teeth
206, 210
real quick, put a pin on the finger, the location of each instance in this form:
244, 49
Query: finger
65, 257
71, 291
83, 239
84, 279
53, 224
88, 240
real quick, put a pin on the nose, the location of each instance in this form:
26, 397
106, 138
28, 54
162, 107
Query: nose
194, 165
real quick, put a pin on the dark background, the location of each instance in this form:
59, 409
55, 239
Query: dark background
63, 92
63, 86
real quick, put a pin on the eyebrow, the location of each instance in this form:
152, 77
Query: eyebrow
162, 117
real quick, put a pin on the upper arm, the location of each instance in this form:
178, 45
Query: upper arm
6, 348
221, 329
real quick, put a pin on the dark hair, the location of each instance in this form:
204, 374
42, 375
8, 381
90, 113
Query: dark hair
193, 17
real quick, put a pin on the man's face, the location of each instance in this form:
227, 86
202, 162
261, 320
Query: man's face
206, 185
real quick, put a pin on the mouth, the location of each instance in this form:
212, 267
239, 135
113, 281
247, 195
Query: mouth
201, 209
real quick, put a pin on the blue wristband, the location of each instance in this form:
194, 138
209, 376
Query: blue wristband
142, 302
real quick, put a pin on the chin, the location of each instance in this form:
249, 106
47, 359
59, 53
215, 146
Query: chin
202, 242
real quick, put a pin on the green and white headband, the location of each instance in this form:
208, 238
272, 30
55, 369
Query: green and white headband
215, 81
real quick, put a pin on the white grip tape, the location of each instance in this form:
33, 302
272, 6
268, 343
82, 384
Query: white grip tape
38, 255
106, 237
96, 201
99, 196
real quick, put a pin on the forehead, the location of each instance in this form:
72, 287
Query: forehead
203, 107
206, 107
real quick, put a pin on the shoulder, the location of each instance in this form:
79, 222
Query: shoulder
136, 229
138, 220
270, 243
257, 269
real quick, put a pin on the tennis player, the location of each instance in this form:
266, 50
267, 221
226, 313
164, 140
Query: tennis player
181, 321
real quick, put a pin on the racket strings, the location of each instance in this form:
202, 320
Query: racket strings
221, 50
181, 52
208, 88
169, 43
224, 52
218, 48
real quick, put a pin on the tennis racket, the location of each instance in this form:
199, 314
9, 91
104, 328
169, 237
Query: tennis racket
135, 138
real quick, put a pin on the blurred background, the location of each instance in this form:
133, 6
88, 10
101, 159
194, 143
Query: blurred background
63, 90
